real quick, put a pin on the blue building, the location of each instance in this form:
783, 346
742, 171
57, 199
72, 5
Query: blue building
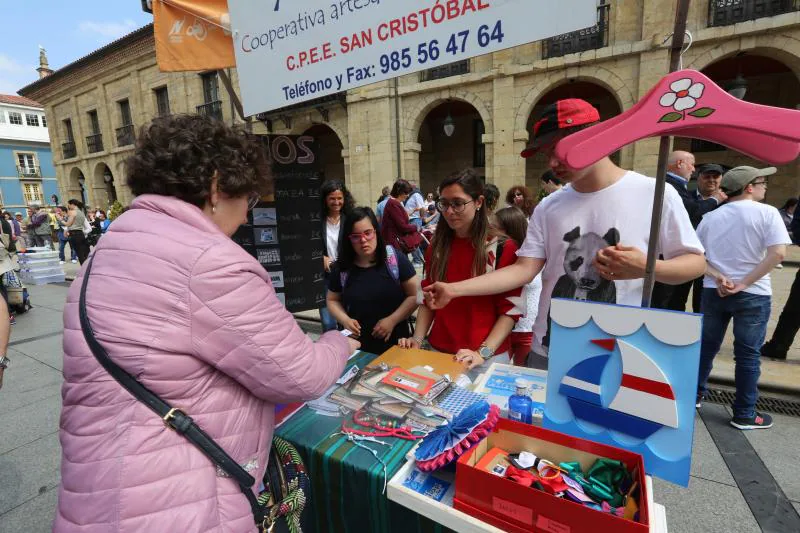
26, 163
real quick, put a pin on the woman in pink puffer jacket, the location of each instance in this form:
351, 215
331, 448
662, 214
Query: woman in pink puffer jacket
193, 317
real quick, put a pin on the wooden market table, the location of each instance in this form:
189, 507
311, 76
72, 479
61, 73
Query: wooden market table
348, 482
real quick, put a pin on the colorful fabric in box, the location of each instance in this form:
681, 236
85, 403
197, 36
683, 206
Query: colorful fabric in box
448, 442
346, 481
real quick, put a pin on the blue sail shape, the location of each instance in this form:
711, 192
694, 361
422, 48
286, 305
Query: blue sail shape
582, 382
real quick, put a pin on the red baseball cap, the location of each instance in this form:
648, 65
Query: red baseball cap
561, 115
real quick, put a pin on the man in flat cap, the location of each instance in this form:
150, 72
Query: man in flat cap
744, 239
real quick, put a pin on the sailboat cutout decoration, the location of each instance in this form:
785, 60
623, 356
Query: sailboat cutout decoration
625, 376
643, 404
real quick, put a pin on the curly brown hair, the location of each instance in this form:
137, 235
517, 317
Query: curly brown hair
528, 203
180, 155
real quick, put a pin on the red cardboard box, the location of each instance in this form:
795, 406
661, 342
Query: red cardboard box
519, 509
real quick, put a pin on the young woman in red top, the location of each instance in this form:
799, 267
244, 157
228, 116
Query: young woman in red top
465, 247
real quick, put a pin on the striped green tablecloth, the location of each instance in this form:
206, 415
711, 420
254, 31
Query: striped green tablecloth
347, 481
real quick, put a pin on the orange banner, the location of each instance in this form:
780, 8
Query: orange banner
192, 35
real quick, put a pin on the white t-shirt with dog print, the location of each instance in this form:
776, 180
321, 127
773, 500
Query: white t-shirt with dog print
568, 228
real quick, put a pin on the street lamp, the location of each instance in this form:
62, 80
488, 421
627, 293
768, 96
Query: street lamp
449, 125
738, 87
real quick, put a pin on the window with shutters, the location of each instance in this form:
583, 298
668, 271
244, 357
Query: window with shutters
32, 192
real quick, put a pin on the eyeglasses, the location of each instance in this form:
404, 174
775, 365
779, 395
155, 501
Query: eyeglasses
358, 237
519, 195
458, 205
764, 183
253, 200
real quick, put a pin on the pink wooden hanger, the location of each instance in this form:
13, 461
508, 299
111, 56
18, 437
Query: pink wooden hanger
686, 103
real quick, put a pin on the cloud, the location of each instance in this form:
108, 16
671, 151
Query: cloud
8, 64
14, 75
107, 30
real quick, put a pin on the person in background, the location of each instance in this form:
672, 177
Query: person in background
513, 223
465, 247
787, 211
373, 289
430, 200
337, 202
39, 226
7, 263
51, 214
201, 327
53, 200
384, 194
415, 205
491, 195
382, 205
789, 322
430, 219
680, 169
62, 236
14, 225
520, 197
396, 229
22, 233
75, 221
744, 239
550, 183
708, 180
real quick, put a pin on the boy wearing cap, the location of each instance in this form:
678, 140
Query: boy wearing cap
588, 239
744, 240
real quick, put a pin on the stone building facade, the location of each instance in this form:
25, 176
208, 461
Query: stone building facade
373, 134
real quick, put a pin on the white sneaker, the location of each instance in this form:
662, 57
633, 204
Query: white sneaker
74, 260
779, 266
61, 262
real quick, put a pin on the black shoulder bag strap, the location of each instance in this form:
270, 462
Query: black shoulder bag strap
173, 417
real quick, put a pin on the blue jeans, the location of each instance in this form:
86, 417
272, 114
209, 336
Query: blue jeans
328, 322
418, 255
750, 313
61, 244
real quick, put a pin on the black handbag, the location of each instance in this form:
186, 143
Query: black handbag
285, 489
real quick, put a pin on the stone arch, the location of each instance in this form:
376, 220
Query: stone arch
416, 116
330, 161
591, 74
72, 188
304, 123
783, 48
103, 192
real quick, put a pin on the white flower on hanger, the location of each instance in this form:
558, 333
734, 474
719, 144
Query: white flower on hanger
684, 95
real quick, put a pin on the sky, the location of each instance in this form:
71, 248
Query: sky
68, 30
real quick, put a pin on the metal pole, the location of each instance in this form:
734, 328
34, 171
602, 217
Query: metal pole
397, 125
678, 35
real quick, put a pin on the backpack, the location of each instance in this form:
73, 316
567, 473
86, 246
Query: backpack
391, 265
18, 299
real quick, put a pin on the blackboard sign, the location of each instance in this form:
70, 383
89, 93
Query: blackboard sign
284, 231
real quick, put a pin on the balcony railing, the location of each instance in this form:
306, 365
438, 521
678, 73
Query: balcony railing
68, 149
29, 172
211, 109
445, 71
727, 12
590, 38
94, 143
126, 135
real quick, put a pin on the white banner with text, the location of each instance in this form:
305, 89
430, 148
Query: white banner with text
289, 52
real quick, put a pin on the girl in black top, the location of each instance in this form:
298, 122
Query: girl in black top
372, 290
